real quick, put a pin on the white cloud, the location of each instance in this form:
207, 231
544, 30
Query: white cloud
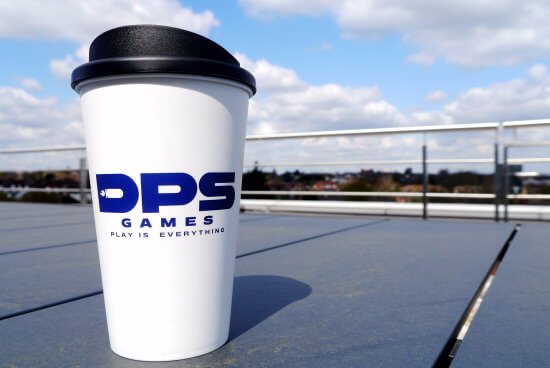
518, 99
335, 107
470, 33
538, 71
30, 84
81, 21
270, 77
322, 46
26, 119
436, 96
62, 68
329, 106
30, 121
286, 103
266, 9
421, 58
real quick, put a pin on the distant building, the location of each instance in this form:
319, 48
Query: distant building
325, 185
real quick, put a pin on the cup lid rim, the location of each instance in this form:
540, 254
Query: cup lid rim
140, 49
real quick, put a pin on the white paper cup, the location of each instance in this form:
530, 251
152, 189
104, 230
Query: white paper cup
165, 153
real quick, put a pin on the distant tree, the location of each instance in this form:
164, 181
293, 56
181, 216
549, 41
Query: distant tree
358, 185
254, 180
274, 181
450, 181
49, 179
287, 177
386, 183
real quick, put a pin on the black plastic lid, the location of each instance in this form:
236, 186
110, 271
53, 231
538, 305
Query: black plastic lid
159, 49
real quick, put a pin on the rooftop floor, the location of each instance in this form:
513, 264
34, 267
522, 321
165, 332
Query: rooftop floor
310, 291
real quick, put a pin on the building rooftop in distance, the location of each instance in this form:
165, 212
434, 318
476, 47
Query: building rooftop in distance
310, 291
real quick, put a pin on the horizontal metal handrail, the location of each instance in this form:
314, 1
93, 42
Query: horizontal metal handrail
379, 162
525, 123
527, 160
336, 133
43, 190
376, 131
42, 149
528, 144
461, 161
367, 194
528, 196
403, 130
389, 194
461, 195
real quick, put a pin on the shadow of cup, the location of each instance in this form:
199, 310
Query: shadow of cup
255, 298
258, 297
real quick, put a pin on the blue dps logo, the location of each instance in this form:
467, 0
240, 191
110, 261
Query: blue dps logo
119, 193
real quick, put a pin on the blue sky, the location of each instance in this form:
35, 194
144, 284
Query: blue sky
319, 64
313, 46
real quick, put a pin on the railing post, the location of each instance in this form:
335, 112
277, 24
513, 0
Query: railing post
497, 185
506, 183
424, 182
83, 181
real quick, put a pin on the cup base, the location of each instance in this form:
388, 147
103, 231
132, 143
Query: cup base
169, 357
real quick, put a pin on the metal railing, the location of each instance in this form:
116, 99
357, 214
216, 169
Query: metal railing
496, 127
499, 194
507, 175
